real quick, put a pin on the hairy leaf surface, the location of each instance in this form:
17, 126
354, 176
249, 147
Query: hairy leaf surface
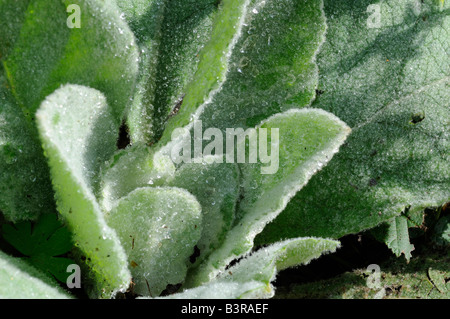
100, 53
79, 133
391, 85
25, 186
19, 280
272, 65
158, 228
171, 35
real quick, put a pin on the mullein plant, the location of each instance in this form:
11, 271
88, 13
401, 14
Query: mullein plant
360, 113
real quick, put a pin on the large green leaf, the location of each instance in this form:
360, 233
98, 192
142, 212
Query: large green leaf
391, 85
158, 228
79, 132
171, 35
251, 277
272, 67
19, 280
101, 53
214, 63
25, 187
308, 139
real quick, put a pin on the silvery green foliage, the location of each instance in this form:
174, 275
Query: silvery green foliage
78, 134
101, 54
39, 53
390, 83
266, 195
158, 228
171, 36
130, 168
140, 221
216, 187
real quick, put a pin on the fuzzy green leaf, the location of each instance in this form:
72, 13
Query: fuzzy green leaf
265, 263
308, 139
396, 236
42, 242
171, 35
19, 280
25, 187
391, 85
441, 236
158, 228
100, 53
79, 134
213, 64
271, 67
216, 187
133, 167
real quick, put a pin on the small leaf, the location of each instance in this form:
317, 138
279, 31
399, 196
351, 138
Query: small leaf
213, 64
130, 168
158, 227
171, 35
439, 280
42, 242
19, 280
375, 79
79, 133
441, 236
